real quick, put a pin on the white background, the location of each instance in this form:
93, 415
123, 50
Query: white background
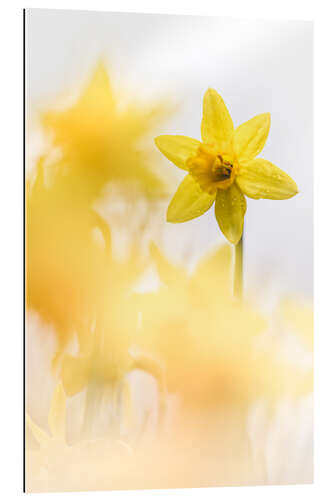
11, 256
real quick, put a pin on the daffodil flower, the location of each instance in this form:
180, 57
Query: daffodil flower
215, 350
223, 168
99, 137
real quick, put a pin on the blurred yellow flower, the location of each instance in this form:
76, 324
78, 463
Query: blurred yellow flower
104, 348
64, 264
210, 343
223, 168
100, 142
99, 137
105, 363
192, 323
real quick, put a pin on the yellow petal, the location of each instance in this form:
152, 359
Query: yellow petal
216, 125
37, 432
57, 413
230, 208
169, 273
250, 137
177, 148
189, 201
216, 262
261, 179
75, 373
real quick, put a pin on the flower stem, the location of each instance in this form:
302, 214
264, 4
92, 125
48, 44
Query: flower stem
151, 366
92, 405
238, 270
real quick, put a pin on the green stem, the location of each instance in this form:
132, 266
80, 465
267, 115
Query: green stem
149, 365
95, 388
238, 270
92, 404
98, 394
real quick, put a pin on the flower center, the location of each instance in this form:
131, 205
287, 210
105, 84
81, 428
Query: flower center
221, 169
212, 169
